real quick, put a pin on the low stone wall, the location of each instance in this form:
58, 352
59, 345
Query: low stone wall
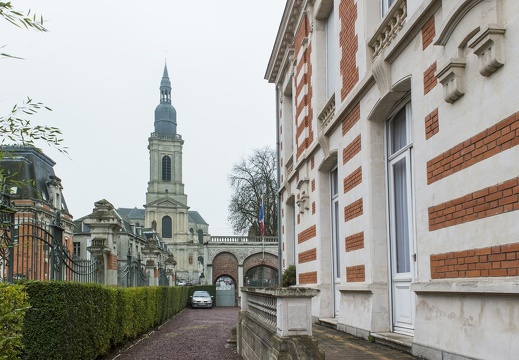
266, 334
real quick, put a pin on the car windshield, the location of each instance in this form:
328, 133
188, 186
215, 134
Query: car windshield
201, 294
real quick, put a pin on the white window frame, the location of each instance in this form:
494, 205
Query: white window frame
385, 5
331, 56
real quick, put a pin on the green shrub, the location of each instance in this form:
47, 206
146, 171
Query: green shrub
13, 304
82, 321
289, 276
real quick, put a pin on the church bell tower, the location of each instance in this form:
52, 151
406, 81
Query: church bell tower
166, 204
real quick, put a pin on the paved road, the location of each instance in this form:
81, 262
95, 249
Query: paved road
192, 334
203, 333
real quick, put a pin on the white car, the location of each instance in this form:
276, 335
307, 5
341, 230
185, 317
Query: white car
201, 299
181, 283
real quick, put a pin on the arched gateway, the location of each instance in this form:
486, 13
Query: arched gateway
233, 262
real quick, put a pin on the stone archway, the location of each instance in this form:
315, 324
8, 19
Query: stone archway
226, 264
260, 260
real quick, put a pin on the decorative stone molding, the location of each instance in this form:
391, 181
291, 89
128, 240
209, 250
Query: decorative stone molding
452, 77
390, 27
241, 253
328, 112
489, 47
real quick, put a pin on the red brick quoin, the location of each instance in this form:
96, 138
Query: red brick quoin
484, 203
354, 242
489, 142
308, 278
306, 234
499, 260
356, 273
306, 256
429, 80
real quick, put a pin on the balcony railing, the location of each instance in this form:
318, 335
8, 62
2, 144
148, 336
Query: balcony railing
390, 27
244, 239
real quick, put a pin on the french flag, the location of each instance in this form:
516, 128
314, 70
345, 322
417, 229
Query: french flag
262, 219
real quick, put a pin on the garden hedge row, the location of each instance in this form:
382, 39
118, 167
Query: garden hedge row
69, 320
13, 304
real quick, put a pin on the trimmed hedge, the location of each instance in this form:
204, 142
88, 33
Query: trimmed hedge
70, 320
13, 305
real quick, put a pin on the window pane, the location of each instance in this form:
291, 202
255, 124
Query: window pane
166, 168
166, 227
330, 55
398, 132
334, 179
401, 216
337, 241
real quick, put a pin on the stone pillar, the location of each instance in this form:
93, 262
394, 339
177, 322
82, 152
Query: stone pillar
239, 281
104, 224
294, 310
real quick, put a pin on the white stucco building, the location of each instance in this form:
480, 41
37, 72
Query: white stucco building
399, 186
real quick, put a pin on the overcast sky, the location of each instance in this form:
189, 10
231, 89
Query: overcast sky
99, 68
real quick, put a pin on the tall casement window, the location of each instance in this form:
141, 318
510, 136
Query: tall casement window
167, 227
330, 55
166, 168
336, 246
399, 157
386, 4
76, 250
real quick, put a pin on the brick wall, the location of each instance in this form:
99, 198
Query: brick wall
351, 150
349, 45
112, 262
429, 80
353, 210
308, 278
354, 242
306, 256
428, 33
313, 207
356, 273
487, 202
352, 180
304, 90
499, 260
351, 119
225, 264
306, 234
313, 185
432, 124
487, 143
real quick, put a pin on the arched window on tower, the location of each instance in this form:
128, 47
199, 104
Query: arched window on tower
167, 227
200, 236
166, 168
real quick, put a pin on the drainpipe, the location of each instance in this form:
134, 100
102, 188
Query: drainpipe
278, 172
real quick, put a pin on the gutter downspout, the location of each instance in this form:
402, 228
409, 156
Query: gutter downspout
278, 172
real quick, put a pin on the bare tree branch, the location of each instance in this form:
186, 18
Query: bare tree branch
251, 179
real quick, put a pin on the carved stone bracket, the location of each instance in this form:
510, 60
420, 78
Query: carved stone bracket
303, 198
489, 47
452, 77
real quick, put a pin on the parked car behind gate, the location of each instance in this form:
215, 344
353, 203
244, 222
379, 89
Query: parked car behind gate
201, 299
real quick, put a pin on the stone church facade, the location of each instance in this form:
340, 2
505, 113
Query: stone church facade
398, 132
166, 213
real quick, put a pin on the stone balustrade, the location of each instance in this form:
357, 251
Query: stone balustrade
240, 239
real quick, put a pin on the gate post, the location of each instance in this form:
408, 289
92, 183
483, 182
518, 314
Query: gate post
104, 223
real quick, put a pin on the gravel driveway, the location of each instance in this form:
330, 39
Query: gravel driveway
191, 334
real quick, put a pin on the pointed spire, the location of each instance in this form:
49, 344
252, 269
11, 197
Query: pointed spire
165, 113
165, 86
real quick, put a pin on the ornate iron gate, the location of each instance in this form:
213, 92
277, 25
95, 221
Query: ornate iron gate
33, 250
134, 273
